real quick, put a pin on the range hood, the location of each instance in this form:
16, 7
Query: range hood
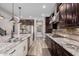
55, 18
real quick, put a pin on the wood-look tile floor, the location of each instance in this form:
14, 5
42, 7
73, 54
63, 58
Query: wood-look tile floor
39, 48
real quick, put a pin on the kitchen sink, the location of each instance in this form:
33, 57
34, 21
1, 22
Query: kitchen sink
72, 46
57, 36
13, 40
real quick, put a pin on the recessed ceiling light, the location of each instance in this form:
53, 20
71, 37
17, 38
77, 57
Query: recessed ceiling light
44, 6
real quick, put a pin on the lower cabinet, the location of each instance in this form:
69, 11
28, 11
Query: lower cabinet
25, 48
55, 49
17, 51
20, 50
30, 41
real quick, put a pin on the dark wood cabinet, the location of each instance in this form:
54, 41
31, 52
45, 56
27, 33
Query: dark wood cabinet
55, 49
48, 26
69, 13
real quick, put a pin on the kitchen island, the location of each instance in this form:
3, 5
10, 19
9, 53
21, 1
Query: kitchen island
18, 48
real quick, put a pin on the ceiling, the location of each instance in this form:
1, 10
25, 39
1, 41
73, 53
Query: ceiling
28, 9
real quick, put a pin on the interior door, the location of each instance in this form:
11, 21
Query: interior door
39, 28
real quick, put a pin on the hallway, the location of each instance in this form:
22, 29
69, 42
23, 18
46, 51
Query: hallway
39, 48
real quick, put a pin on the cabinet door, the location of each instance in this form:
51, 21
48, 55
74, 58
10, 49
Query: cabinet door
17, 51
56, 49
31, 40
59, 50
53, 46
66, 53
69, 13
25, 48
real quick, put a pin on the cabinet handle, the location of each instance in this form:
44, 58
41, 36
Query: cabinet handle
12, 52
24, 48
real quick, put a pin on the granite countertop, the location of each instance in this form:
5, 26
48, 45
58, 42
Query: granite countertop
6, 46
70, 45
73, 36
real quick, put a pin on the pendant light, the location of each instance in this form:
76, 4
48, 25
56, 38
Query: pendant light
19, 13
12, 19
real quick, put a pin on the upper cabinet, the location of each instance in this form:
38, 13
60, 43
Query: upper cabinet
69, 13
